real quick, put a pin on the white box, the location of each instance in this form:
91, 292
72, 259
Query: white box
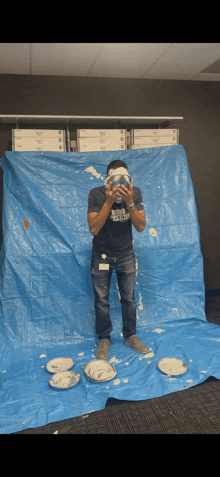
38, 133
147, 146
155, 140
87, 148
41, 144
93, 141
32, 141
154, 132
38, 148
116, 133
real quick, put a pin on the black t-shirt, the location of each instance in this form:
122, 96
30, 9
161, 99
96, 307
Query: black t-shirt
116, 234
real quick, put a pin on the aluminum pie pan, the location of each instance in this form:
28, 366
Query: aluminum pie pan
58, 365
119, 178
172, 366
99, 371
64, 380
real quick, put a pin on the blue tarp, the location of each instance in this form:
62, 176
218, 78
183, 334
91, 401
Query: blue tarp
46, 294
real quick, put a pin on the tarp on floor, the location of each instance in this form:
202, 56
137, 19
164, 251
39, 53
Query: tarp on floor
46, 294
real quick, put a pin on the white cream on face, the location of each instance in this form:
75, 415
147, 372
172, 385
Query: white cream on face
119, 170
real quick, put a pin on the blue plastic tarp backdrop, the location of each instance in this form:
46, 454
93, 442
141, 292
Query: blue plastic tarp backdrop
46, 294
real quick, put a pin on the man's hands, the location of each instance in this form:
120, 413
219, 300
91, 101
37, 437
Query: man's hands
119, 191
111, 195
126, 193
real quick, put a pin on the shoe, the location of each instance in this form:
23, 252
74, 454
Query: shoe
102, 351
135, 343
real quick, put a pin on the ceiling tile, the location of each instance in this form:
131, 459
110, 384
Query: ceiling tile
118, 58
63, 58
196, 46
115, 73
133, 46
177, 61
213, 67
166, 75
14, 58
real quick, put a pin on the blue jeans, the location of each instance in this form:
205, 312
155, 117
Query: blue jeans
125, 267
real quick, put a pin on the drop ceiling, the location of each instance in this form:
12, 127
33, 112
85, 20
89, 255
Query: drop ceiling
174, 61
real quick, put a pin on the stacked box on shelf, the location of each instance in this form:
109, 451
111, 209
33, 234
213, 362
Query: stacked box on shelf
38, 140
100, 144
114, 133
101, 139
147, 138
52, 133
146, 146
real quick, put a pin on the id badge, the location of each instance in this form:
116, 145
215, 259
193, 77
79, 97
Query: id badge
103, 266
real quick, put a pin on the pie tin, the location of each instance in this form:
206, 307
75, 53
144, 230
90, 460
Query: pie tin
53, 366
72, 378
160, 365
95, 369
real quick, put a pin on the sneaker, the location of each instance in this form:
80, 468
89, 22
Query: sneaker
135, 343
102, 351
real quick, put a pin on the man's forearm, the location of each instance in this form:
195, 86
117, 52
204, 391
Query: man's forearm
137, 221
100, 220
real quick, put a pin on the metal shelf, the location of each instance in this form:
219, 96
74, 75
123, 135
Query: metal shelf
21, 118
124, 122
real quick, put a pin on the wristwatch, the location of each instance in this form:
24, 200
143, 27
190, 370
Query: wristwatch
131, 207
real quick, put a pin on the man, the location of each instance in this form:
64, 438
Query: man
111, 213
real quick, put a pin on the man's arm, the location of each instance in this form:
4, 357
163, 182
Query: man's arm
97, 221
138, 219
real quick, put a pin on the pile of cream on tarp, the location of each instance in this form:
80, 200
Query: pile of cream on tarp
46, 295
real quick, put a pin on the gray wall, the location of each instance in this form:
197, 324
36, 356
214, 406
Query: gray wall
198, 103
